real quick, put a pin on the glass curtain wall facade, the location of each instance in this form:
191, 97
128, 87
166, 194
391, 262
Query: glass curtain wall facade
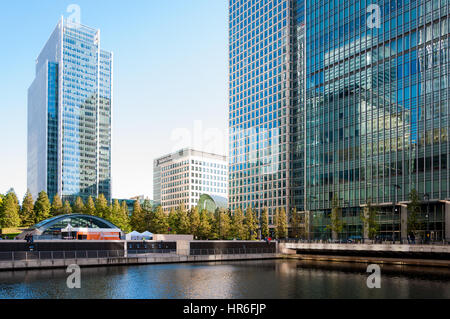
69, 116
260, 105
376, 111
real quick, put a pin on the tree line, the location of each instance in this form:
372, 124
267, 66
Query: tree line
31, 212
222, 224
205, 225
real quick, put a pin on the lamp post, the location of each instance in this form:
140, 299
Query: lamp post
426, 197
394, 209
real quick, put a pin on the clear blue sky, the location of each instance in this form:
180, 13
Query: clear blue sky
170, 72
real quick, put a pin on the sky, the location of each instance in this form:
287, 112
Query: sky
170, 80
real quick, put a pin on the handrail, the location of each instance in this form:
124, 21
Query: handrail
104, 254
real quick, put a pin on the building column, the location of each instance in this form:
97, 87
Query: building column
403, 222
447, 221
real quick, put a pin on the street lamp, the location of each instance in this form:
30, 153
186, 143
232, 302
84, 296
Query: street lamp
394, 209
426, 198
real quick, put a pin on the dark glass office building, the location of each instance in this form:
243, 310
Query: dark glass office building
69, 116
363, 98
376, 114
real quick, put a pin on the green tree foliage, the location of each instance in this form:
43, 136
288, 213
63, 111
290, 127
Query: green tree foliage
89, 208
27, 211
137, 220
238, 228
414, 211
298, 230
222, 224
67, 209
205, 226
119, 216
126, 213
147, 206
160, 223
265, 223
9, 213
184, 223
78, 207
102, 208
194, 220
174, 221
41, 208
251, 224
57, 206
281, 229
337, 224
369, 219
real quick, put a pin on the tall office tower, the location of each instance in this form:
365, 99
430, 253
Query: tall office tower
259, 104
265, 155
377, 114
69, 115
184, 176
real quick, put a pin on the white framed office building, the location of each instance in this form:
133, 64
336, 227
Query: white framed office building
182, 177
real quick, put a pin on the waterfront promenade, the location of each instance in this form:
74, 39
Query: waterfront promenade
395, 254
215, 251
135, 259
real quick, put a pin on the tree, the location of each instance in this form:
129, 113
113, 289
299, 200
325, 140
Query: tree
205, 227
89, 208
126, 216
281, 229
160, 224
184, 224
265, 223
41, 208
174, 221
147, 206
119, 216
222, 224
296, 224
78, 207
27, 211
194, 220
57, 206
369, 219
9, 213
137, 220
337, 225
67, 209
237, 227
251, 224
414, 211
102, 208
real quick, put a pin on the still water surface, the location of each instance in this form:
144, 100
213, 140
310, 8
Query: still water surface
229, 280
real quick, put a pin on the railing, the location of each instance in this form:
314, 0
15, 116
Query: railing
367, 241
152, 252
60, 255
232, 251
99, 254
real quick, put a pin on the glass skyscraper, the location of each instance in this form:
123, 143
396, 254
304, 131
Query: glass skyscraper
377, 111
69, 115
352, 108
260, 104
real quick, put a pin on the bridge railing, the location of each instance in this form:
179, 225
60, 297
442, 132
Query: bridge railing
368, 241
151, 252
232, 251
101, 254
60, 255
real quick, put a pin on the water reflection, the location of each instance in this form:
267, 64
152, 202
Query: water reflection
250, 279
